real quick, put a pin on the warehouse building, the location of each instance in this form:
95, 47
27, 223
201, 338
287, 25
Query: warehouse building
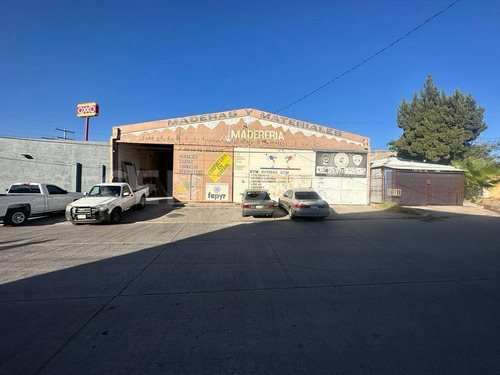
216, 156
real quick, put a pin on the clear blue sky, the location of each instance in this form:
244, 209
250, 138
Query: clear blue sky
151, 60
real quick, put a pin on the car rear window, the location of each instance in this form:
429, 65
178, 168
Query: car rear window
257, 195
306, 195
25, 189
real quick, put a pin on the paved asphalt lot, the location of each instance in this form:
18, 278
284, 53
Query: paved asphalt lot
200, 290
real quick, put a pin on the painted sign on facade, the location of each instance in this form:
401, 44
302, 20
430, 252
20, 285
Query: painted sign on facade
219, 167
216, 192
341, 164
195, 168
242, 128
274, 170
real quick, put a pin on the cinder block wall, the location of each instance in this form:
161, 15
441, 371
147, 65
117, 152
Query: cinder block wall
53, 161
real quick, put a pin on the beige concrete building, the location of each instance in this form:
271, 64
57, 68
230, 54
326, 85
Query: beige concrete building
216, 156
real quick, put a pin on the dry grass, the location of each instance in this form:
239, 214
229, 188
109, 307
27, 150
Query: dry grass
493, 201
393, 207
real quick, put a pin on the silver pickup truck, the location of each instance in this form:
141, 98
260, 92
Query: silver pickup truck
106, 202
29, 199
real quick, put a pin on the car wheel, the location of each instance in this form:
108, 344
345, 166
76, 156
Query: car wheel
16, 217
290, 213
142, 203
116, 216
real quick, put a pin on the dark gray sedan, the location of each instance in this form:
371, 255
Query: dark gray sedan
257, 202
304, 203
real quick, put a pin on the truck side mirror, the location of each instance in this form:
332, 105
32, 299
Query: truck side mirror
126, 194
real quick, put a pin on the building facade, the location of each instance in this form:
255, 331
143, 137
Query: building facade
414, 183
215, 157
69, 164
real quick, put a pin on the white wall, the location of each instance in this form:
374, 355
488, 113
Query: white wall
342, 190
272, 169
281, 170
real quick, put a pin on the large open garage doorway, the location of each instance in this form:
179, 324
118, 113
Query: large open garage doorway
152, 163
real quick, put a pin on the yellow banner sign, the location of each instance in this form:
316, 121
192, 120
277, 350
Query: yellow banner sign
219, 167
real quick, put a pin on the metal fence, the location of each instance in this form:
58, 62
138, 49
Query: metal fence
415, 188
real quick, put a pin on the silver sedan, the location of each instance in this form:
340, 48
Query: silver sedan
304, 203
257, 202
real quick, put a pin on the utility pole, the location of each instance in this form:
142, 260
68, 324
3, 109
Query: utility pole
64, 131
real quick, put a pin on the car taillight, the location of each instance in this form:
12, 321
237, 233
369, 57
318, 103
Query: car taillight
270, 205
300, 206
246, 206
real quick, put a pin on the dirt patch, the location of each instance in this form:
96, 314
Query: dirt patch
393, 207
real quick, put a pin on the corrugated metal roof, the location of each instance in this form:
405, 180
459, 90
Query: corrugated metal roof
397, 163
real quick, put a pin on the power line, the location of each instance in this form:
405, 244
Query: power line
94, 143
65, 131
369, 58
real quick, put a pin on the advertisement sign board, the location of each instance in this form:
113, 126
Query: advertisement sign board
87, 110
341, 164
217, 169
216, 192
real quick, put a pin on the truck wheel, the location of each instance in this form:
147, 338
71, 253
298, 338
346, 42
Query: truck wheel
142, 203
16, 216
116, 216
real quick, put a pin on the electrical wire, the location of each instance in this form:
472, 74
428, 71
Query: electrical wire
369, 58
94, 143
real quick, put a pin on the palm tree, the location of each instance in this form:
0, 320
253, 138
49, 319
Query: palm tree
479, 174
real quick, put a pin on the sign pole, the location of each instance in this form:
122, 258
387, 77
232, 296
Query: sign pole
87, 120
87, 110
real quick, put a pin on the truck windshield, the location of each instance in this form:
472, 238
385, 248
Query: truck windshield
24, 189
105, 191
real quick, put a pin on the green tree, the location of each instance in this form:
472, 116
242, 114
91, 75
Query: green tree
484, 150
437, 127
479, 173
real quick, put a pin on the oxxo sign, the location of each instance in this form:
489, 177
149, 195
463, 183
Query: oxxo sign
87, 110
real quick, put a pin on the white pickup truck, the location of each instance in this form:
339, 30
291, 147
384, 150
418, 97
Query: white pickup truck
29, 199
106, 202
